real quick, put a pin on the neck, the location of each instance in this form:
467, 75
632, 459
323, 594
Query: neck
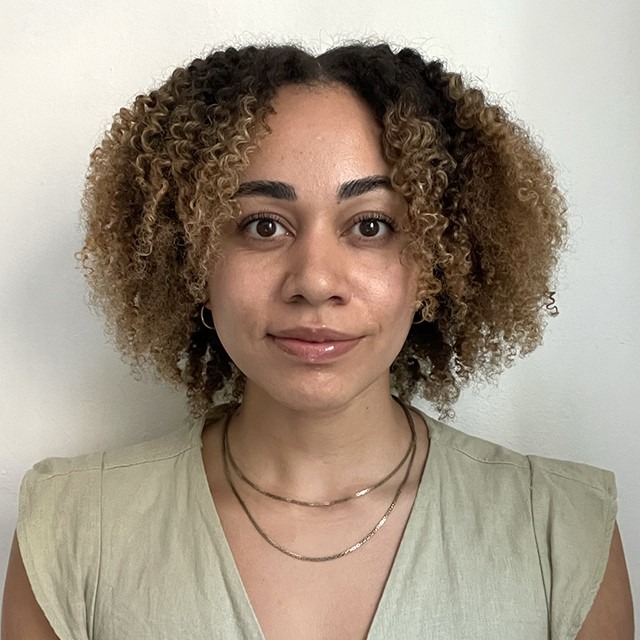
312, 454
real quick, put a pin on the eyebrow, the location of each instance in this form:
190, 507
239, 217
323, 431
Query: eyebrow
361, 186
285, 191
269, 188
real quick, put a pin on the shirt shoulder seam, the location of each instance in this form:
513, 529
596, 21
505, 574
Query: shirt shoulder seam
104, 467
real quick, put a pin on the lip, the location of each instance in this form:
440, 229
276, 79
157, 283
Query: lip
313, 334
314, 345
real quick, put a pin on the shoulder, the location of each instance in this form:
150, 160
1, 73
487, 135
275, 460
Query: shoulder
74, 483
572, 510
459, 443
60, 528
544, 474
78, 478
86, 465
66, 494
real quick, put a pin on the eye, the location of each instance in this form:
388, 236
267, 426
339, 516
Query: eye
262, 225
373, 226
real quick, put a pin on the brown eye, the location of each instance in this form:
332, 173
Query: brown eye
265, 228
373, 227
369, 228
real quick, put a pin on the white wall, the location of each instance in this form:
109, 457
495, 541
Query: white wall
568, 68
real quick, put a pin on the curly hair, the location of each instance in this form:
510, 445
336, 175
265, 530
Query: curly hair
485, 217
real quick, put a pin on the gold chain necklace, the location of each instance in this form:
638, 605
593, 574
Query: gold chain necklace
321, 503
353, 547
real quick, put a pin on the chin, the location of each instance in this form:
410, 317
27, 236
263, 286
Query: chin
319, 394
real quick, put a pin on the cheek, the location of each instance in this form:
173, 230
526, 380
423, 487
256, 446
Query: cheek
236, 292
393, 287
223, 288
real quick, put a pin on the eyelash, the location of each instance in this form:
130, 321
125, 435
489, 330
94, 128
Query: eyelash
267, 215
376, 216
258, 215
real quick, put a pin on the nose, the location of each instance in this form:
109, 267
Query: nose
316, 270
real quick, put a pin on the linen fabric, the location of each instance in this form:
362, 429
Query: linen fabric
126, 544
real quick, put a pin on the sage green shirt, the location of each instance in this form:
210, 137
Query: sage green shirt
127, 545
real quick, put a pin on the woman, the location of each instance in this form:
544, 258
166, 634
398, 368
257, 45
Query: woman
293, 237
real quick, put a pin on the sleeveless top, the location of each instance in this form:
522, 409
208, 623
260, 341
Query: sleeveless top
127, 545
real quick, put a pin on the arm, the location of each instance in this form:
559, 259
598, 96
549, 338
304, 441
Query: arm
611, 615
22, 617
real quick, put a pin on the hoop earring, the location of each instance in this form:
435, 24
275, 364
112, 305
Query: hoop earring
204, 322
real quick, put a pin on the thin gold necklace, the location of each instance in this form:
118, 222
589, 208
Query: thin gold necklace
320, 503
353, 547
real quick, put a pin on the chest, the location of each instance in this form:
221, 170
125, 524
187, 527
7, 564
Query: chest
172, 576
314, 600
296, 598
177, 567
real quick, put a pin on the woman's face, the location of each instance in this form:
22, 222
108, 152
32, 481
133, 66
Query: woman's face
311, 297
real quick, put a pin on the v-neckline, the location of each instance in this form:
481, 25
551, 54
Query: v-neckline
229, 563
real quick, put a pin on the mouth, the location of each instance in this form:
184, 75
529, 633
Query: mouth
314, 345
314, 334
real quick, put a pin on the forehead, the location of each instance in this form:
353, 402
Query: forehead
323, 133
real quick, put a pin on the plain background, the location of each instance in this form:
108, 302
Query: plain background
569, 69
